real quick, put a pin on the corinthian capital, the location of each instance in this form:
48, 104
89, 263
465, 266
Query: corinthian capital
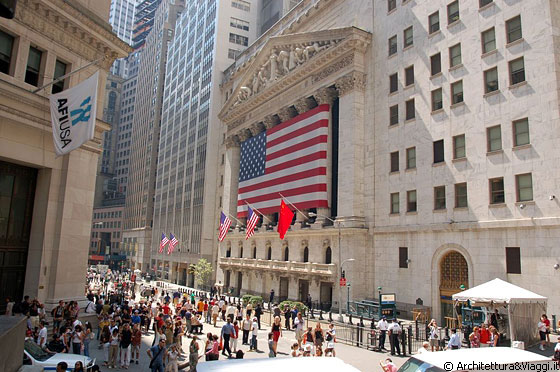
351, 81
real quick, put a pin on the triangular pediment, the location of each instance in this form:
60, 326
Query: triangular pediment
282, 57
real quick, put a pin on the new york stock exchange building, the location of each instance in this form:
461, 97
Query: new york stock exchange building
406, 165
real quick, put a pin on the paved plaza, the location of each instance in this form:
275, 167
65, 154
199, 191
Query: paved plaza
362, 359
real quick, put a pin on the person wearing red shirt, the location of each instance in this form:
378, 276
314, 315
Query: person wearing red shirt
484, 336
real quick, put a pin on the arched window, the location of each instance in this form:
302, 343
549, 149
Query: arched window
240, 252
254, 252
306, 255
328, 255
286, 254
269, 254
228, 252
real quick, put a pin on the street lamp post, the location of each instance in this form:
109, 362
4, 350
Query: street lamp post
312, 214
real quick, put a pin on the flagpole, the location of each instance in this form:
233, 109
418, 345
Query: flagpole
293, 205
250, 205
239, 222
67, 75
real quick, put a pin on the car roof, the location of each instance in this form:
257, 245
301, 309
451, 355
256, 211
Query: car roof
278, 365
500, 355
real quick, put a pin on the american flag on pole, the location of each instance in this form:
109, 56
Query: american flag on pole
163, 242
252, 220
290, 159
172, 243
225, 222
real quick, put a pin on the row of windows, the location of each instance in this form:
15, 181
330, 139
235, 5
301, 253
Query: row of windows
488, 38
523, 185
114, 214
513, 259
35, 63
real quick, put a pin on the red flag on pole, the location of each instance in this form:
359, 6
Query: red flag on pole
285, 219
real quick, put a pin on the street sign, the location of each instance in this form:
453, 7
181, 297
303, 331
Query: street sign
343, 282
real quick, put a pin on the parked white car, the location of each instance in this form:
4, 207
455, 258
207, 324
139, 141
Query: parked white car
35, 356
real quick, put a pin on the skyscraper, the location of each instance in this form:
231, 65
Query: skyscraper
208, 37
145, 133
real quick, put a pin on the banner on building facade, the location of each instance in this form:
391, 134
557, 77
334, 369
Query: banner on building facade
73, 115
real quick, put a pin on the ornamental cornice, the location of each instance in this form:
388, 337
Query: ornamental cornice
278, 67
76, 29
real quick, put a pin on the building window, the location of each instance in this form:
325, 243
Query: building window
394, 115
459, 150
513, 260
6, 49
59, 71
497, 195
409, 75
494, 135
521, 132
239, 23
238, 39
524, 183
393, 45
439, 156
457, 92
453, 12
408, 37
403, 257
410, 109
391, 5
393, 83
33, 66
517, 71
411, 201
461, 195
411, 158
433, 21
488, 38
233, 53
395, 161
240, 4
328, 255
439, 197
455, 55
435, 63
482, 3
513, 29
437, 99
491, 80
395, 203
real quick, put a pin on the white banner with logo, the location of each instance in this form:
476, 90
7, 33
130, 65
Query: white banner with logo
73, 115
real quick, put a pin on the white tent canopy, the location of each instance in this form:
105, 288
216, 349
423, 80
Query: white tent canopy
498, 291
523, 306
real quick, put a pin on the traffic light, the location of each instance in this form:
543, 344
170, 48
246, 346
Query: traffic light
7, 8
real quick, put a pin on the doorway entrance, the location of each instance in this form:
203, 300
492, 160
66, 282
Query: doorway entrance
283, 292
454, 273
17, 192
303, 290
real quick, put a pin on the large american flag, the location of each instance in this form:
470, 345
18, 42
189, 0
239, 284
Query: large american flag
252, 220
225, 223
172, 243
289, 159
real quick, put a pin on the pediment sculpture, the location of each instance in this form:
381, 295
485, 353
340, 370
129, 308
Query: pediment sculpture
279, 63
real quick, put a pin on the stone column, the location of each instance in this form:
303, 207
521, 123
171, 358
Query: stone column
351, 149
326, 96
231, 176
